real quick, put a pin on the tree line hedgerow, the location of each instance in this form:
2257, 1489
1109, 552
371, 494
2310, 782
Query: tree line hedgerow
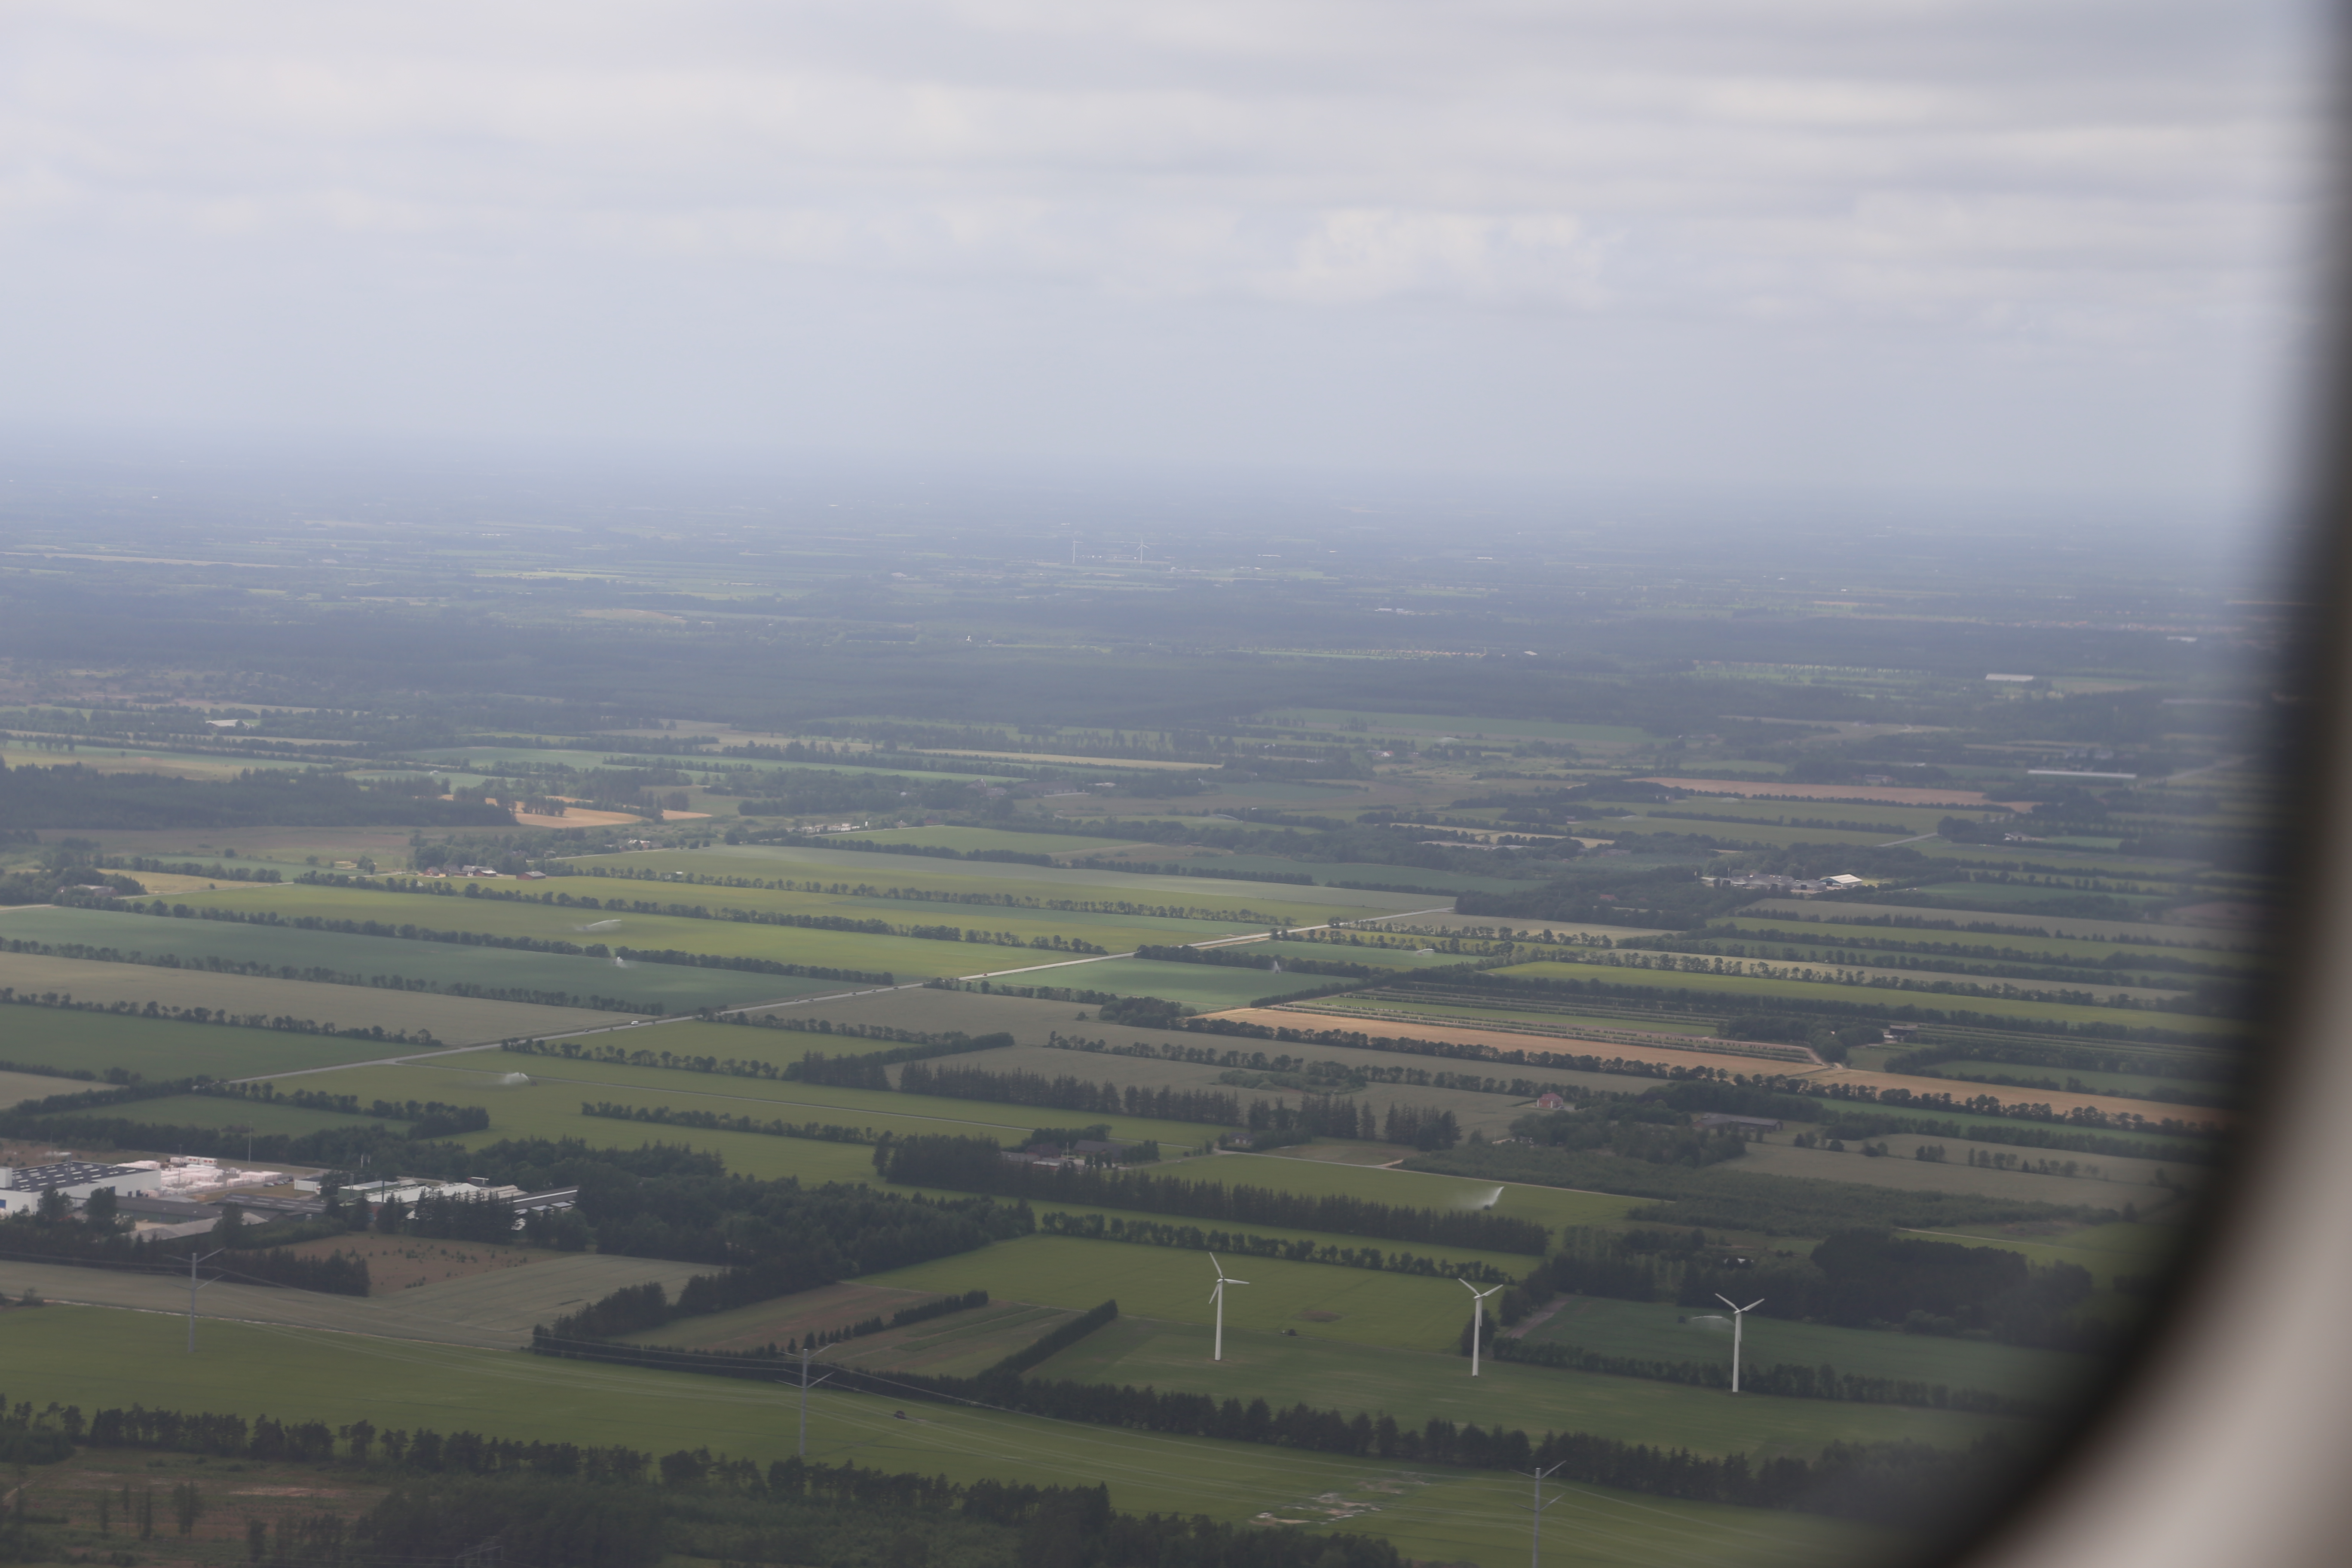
1066, 1093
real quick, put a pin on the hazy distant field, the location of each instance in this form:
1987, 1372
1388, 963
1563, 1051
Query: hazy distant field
1787, 910
1289, 903
453, 1020
437, 963
2030, 949
908, 957
1884, 997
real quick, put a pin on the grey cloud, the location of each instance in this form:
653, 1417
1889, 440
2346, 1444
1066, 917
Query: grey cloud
1620, 238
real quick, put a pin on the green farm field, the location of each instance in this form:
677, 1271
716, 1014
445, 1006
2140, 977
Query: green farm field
505, 759
1431, 726
1283, 903
1896, 821
1964, 900
882, 1109
436, 963
1659, 1331
451, 1020
2042, 860
547, 920
15, 1088
493, 1309
1839, 967
1371, 1308
1206, 987
549, 1107
169, 1048
98, 1359
1418, 1384
2052, 949
1740, 835
1550, 1206
2133, 935
1879, 997
969, 840
2103, 1182
1435, 885
2131, 1084
218, 1111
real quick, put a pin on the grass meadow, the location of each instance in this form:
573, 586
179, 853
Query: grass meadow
906, 956
98, 1359
1419, 1384
974, 840
436, 963
452, 1020
2037, 949
1786, 911
169, 1048
1286, 904
1656, 1330
218, 1111
1880, 997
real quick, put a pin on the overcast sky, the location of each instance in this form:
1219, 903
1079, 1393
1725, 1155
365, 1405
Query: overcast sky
2037, 246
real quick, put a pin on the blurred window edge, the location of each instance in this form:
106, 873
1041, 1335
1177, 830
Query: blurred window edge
2228, 1438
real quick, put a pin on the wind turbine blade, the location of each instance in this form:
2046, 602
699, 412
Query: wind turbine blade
1468, 1286
1727, 1300
1753, 1305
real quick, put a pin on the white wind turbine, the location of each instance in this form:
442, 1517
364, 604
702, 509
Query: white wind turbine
1217, 1294
1478, 1314
1738, 1316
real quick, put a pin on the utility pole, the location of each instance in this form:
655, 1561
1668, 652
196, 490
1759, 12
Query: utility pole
194, 1259
1535, 1548
805, 1387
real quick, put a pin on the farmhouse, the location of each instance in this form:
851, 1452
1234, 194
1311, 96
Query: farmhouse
1549, 1100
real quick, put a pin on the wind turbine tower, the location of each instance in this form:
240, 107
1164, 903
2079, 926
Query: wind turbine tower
1477, 1317
1217, 1294
1738, 1316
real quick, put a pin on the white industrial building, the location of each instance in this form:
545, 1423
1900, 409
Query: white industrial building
21, 1186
